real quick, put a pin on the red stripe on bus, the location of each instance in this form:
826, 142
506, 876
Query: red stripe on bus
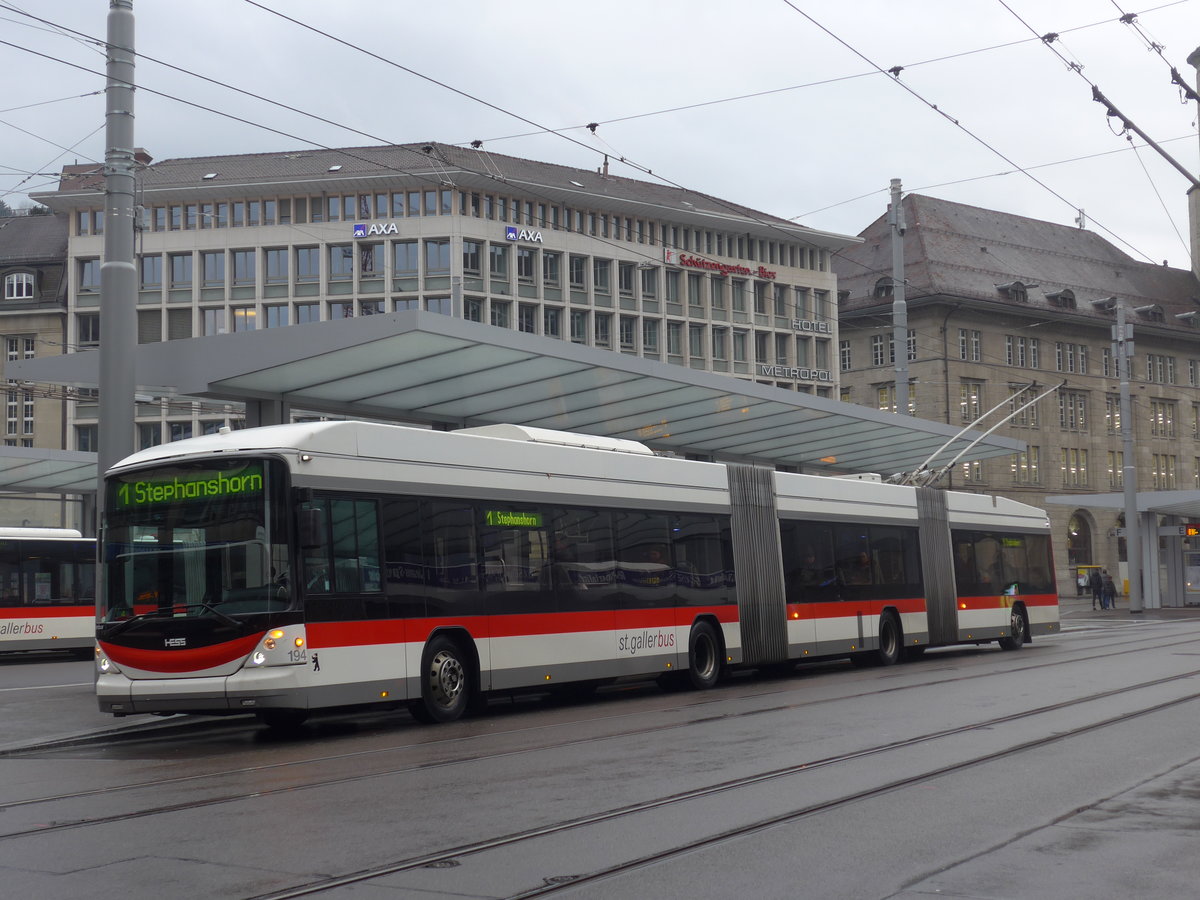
46, 612
1004, 601
196, 659
845, 609
383, 631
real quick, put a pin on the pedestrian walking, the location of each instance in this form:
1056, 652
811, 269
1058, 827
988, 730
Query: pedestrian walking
1109, 592
1096, 583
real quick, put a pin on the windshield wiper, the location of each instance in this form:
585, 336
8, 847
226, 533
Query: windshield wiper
171, 613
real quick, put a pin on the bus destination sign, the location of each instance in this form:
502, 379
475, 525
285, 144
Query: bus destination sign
182, 487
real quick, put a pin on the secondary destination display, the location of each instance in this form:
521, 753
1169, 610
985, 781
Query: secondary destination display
186, 485
512, 519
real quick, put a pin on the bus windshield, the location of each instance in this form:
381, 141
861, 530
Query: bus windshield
195, 538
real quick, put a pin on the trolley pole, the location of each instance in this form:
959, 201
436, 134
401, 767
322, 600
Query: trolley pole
118, 274
899, 305
1123, 355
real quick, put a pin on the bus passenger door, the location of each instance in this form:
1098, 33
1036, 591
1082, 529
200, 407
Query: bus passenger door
527, 643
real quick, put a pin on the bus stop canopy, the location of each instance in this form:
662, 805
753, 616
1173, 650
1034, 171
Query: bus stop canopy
422, 367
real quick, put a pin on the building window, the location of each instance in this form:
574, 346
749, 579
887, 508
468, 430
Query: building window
471, 258
341, 309
88, 325
181, 270
1162, 418
245, 318
552, 322
498, 261
844, 355
308, 312
243, 267
214, 321
179, 431
527, 318
404, 259
625, 272
501, 313
1112, 414
275, 316
972, 472
341, 262
604, 330
970, 400
1072, 410
577, 266
970, 343
1019, 396
1074, 467
526, 264
308, 264
602, 276
650, 283
1116, 468
20, 286
150, 270
86, 438
89, 275
672, 292
277, 266
579, 326
1160, 369
437, 257
551, 269
1164, 467
212, 263
650, 337
1026, 466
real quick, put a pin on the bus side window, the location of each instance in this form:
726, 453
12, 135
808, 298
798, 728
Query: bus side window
314, 546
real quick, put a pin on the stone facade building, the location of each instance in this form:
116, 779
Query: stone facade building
1002, 308
33, 323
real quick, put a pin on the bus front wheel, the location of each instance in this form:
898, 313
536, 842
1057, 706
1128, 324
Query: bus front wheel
445, 683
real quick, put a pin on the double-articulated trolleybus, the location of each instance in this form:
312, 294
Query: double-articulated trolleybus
47, 590
290, 568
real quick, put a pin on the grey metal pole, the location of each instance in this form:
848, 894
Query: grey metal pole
1123, 354
899, 305
118, 273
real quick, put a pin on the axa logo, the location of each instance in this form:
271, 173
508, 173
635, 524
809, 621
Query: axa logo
513, 233
362, 229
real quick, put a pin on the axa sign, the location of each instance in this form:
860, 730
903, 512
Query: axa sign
513, 233
362, 229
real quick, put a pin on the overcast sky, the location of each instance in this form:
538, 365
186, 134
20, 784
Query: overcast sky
779, 105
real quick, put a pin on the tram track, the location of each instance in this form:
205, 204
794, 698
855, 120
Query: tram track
456, 854
48, 827
687, 722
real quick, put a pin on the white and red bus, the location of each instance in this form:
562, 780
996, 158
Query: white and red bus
47, 590
289, 568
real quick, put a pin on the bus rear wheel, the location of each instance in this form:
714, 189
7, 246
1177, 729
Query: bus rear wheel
1018, 630
445, 683
704, 656
891, 644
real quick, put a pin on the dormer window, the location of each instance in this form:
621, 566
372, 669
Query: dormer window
1151, 312
1187, 318
19, 286
1064, 298
883, 288
1015, 290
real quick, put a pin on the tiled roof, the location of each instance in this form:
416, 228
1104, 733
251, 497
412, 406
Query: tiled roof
964, 251
32, 239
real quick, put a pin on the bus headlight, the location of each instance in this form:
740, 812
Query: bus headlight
280, 647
